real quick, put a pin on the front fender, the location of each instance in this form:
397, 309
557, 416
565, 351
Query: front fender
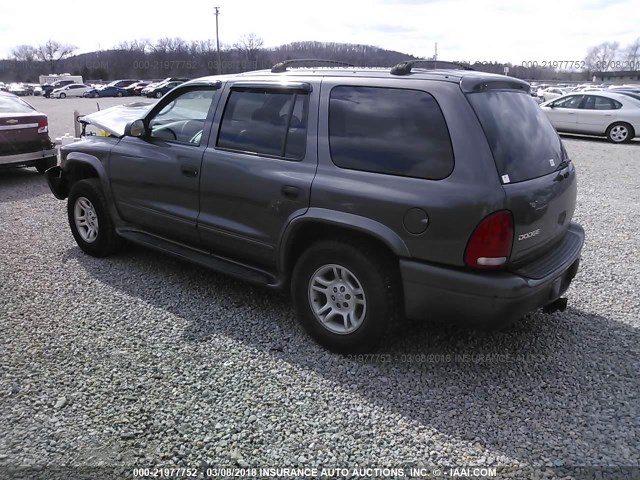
57, 182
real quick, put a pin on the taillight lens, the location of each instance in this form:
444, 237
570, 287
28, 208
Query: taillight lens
490, 244
43, 126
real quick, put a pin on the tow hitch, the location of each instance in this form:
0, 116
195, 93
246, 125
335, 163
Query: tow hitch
559, 305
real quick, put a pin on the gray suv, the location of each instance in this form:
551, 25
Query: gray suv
373, 194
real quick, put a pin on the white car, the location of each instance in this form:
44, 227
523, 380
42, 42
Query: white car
72, 90
602, 113
551, 93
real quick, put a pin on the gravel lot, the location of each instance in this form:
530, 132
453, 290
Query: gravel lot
141, 359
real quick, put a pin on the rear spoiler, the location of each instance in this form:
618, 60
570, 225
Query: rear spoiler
481, 83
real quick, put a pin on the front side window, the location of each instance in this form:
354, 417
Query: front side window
572, 101
391, 131
182, 118
266, 122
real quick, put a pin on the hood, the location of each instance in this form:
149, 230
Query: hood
113, 120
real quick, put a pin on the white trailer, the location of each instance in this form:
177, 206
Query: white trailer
54, 77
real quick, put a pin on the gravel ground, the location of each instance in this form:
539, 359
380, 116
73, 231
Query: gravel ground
141, 359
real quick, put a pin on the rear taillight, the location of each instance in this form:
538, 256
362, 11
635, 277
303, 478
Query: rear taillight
43, 126
490, 244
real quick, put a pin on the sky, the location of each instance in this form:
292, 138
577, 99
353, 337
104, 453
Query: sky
465, 30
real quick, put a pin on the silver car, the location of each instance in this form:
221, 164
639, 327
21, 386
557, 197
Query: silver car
601, 113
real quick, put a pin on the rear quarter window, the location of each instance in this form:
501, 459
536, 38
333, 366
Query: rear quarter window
390, 131
524, 143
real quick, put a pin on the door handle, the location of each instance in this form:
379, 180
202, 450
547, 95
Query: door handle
189, 171
290, 192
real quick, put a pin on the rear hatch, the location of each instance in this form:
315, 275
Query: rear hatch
537, 177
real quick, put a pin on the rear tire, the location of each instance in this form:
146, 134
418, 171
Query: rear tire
620, 132
158, 94
89, 219
345, 295
44, 164
119, 94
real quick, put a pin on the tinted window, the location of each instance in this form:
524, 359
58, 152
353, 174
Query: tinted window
524, 143
596, 102
182, 118
268, 122
572, 101
392, 131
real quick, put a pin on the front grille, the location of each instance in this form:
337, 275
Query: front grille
566, 249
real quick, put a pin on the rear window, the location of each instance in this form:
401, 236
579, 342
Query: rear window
390, 131
524, 143
14, 105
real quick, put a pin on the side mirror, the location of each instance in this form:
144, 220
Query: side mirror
135, 129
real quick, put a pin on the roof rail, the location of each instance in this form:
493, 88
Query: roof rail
404, 68
282, 66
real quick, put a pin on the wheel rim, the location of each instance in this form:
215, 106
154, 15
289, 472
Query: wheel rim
619, 133
337, 299
86, 219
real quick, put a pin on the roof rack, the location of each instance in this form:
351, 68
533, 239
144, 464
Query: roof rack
282, 66
404, 68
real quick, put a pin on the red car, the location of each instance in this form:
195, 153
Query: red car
24, 135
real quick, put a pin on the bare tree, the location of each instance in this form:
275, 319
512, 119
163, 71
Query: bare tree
631, 54
249, 45
134, 46
599, 58
52, 52
24, 53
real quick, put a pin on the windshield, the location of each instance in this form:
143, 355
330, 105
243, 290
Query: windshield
524, 143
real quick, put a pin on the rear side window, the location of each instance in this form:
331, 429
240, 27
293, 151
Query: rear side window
524, 143
596, 102
390, 131
266, 122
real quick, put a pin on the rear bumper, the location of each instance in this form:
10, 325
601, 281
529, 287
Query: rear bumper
485, 299
24, 158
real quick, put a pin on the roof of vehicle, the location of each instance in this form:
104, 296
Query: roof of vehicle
470, 78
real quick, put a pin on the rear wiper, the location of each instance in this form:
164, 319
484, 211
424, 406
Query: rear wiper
563, 164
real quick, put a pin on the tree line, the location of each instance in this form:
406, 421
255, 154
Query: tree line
176, 57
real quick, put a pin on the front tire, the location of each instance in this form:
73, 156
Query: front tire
620, 132
345, 295
89, 219
44, 164
63, 95
158, 94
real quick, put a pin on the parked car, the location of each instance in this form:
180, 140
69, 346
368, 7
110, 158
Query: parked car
137, 90
136, 85
73, 90
18, 89
341, 184
121, 83
50, 87
601, 113
24, 135
162, 88
106, 91
550, 93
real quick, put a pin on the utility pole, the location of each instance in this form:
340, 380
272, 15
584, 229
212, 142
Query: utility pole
218, 41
